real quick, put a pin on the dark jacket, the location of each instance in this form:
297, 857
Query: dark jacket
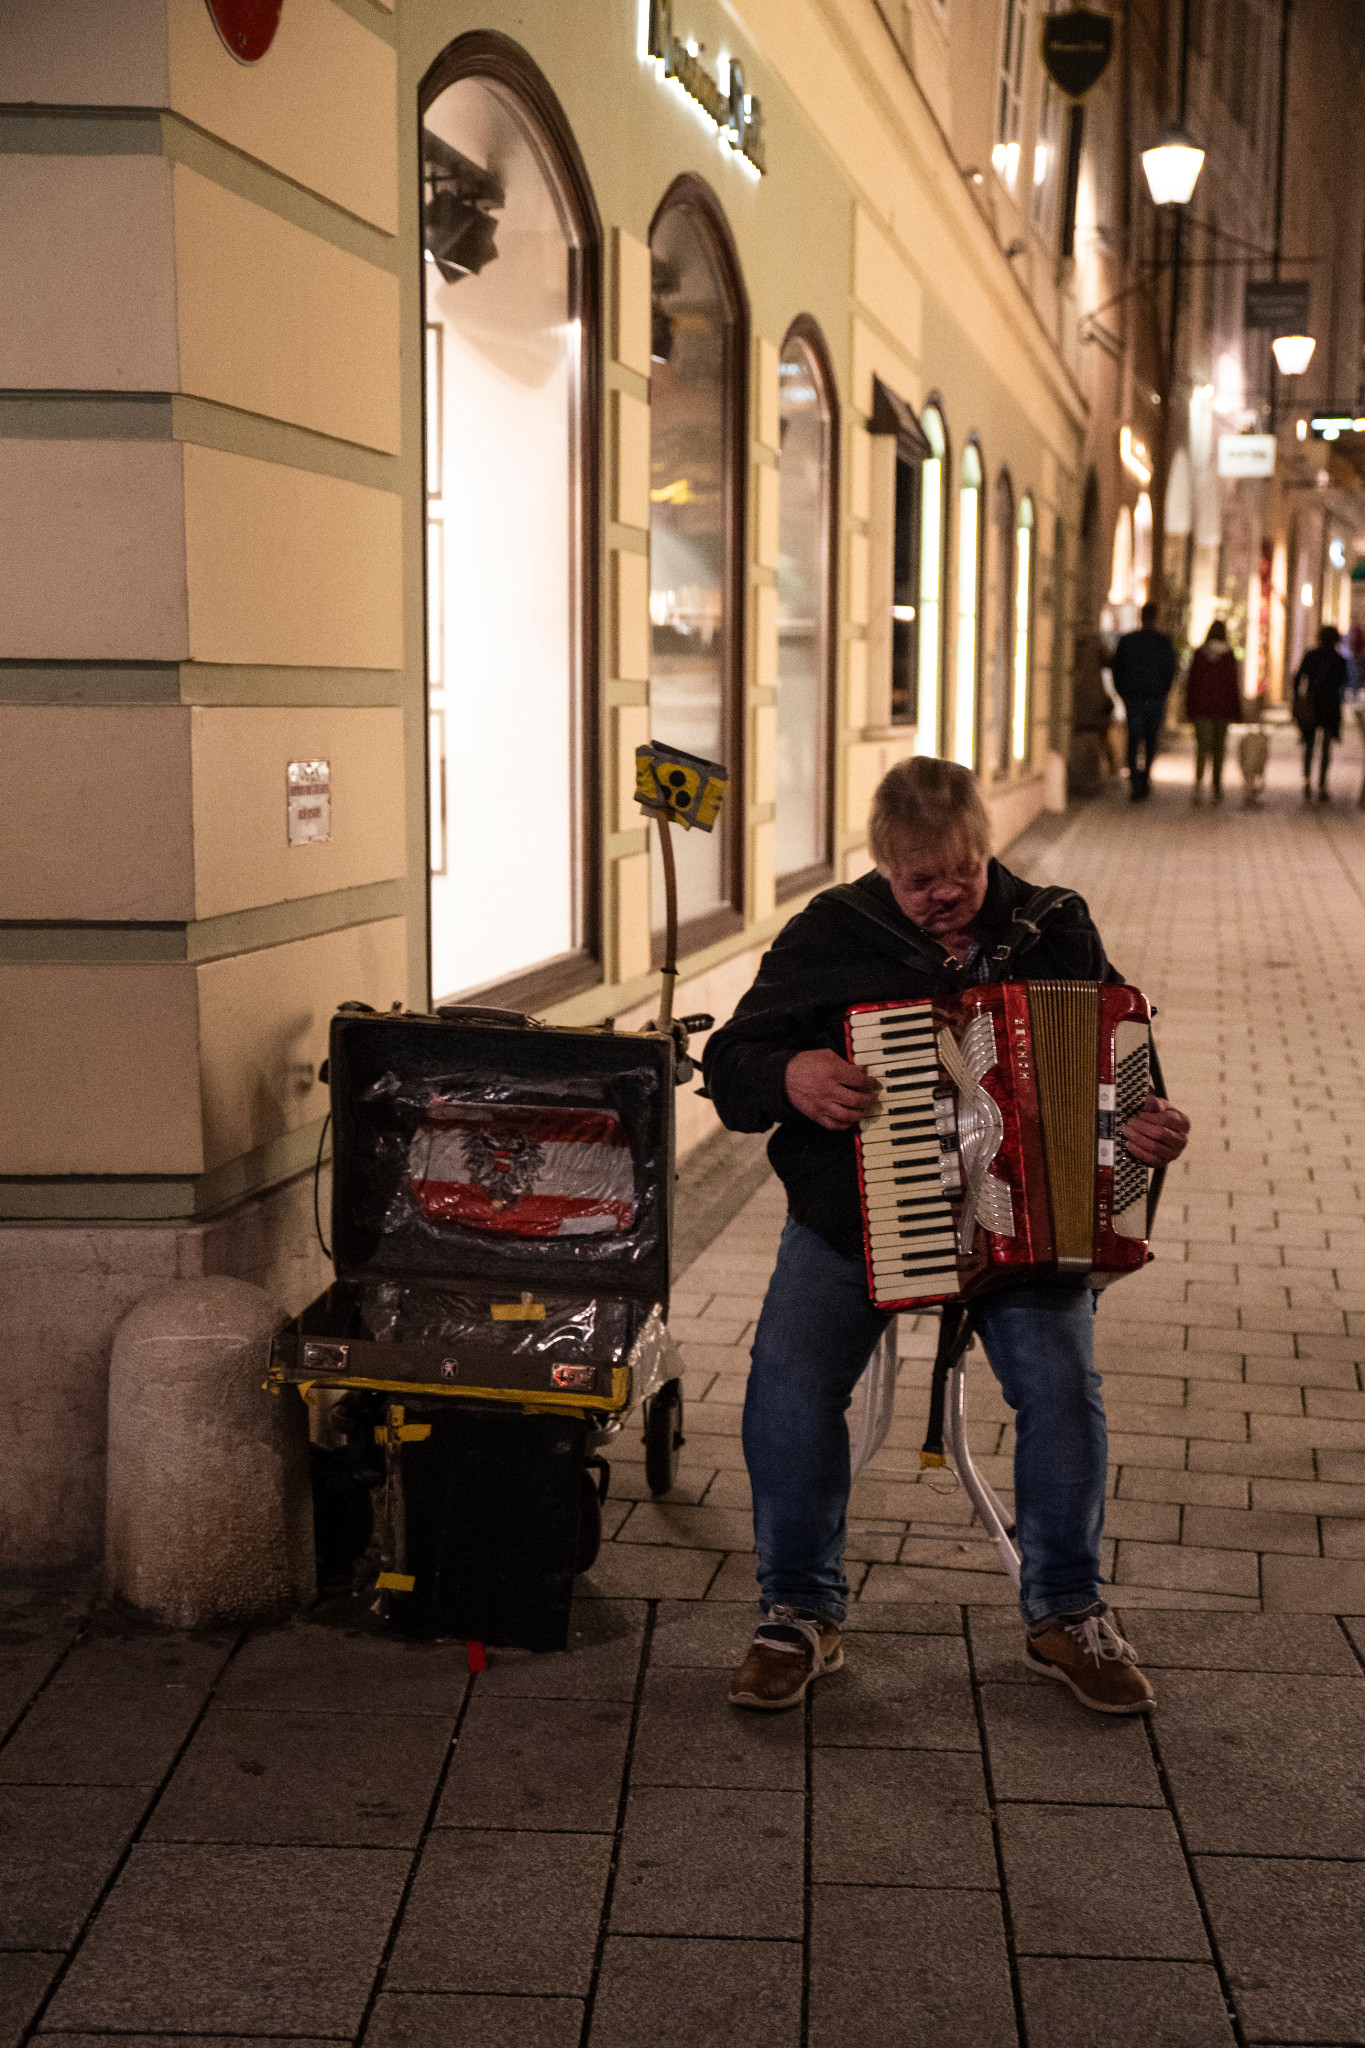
1211, 688
829, 957
1144, 665
1318, 684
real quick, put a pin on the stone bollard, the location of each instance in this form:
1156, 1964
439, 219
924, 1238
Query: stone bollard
209, 1506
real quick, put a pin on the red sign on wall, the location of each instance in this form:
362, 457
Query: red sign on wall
246, 26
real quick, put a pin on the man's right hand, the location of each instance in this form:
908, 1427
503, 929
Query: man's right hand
830, 1091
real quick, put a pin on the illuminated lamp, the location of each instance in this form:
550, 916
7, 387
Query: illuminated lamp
1172, 168
1293, 353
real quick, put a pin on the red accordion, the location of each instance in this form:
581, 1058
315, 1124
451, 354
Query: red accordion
996, 1150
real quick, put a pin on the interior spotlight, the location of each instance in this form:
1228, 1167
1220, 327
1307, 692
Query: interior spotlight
460, 234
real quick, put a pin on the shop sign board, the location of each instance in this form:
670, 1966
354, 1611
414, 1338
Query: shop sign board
736, 113
1276, 304
308, 802
1246, 455
1077, 47
247, 27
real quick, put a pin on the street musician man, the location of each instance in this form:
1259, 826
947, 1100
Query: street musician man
938, 915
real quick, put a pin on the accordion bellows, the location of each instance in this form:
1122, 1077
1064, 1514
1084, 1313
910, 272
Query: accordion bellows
523, 1171
995, 1153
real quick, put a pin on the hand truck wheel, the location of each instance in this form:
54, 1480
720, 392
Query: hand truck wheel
663, 1436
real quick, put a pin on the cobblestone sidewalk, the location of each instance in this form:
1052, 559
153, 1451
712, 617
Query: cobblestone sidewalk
316, 1833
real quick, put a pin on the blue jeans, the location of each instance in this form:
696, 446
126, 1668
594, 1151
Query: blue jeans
815, 1335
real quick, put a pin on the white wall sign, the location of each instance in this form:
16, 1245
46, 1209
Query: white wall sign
309, 797
1246, 455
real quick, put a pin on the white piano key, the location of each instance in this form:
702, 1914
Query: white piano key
895, 1244
926, 1211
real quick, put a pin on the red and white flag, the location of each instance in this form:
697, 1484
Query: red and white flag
525, 1172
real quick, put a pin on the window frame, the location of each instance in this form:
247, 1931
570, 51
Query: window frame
694, 194
806, 329
488, 54
1009, 94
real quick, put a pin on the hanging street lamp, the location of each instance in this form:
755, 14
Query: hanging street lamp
1172, 168
1293, 353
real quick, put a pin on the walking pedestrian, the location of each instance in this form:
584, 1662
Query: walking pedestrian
933, 920
1143, 669
1213, 701
1318, 683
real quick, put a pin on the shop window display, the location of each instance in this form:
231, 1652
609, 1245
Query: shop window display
929, 622
699, 347
1023, 634
996, 738
968, 600
508, 260
803, 613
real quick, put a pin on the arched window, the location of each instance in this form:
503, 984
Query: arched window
933, 487
511, 245
996, 747
968, 595
1020, 720
698, 443
805, 607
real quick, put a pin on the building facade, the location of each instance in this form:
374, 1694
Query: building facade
398, 429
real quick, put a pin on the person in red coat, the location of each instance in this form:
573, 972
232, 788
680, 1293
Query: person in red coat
1213, 700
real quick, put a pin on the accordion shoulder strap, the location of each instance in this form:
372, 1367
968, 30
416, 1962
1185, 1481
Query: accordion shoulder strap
1026, 926
922, 952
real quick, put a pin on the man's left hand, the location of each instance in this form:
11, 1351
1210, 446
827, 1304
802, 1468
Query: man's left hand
1157, 1133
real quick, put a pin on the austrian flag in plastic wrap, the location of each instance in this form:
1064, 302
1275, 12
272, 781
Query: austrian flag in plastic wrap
524, 1171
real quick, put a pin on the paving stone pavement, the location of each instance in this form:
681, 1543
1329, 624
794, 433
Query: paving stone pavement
316, 1833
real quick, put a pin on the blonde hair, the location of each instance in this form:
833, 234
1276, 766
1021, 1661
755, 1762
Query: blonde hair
934, 806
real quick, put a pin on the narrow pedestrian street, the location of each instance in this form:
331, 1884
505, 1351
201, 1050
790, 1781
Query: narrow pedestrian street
316, 1833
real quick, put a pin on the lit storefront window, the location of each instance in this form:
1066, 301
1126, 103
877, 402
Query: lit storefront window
928, 735
805, 407
507, 246
998, 682
1023, 632
699, 349
968, 580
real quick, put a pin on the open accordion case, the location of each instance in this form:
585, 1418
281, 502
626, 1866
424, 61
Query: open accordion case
501, 1222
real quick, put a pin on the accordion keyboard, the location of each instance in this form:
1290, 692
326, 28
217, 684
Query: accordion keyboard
909, 1220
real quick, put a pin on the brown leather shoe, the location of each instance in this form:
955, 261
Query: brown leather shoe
789, 1649
1088, 1654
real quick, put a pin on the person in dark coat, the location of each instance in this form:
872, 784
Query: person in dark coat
939, 916
1213, 701
1318, 684
1143, 669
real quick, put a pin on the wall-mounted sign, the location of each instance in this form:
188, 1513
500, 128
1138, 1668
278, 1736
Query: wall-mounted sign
308, 793
246, 26
1077, 47
736, 113
1246, 455
1273, 303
